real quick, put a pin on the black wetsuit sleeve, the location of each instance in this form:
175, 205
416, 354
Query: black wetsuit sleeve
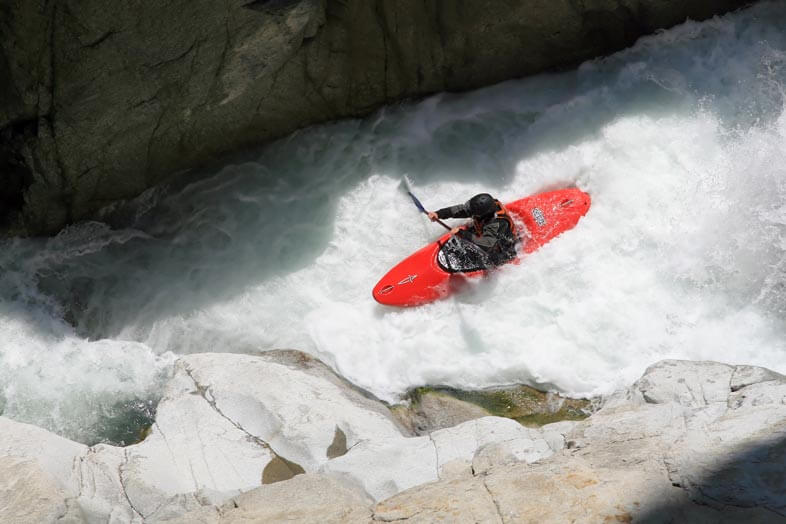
457, 211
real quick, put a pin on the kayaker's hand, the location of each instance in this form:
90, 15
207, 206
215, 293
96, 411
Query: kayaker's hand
432, 215
455, 230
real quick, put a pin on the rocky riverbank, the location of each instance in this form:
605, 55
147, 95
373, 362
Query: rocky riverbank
279, 436
99, 104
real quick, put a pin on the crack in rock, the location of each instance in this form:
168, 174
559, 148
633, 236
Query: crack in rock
166, 441
353, 446
377, 518
101, 39
76, 468
123, 484
436, 454
496, 504
204, 392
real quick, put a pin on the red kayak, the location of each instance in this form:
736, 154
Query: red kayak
438, 269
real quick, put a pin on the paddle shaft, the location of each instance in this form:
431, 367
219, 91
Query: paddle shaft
423, 210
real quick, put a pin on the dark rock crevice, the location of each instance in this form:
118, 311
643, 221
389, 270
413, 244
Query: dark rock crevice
15, 174
101, 39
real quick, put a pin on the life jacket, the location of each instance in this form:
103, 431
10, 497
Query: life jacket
502, 213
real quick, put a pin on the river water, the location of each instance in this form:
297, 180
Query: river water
680, 140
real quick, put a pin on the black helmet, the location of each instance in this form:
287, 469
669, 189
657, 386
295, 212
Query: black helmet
481, 205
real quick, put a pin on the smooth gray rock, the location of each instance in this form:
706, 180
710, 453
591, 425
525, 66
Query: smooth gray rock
226, 425
101, 103
193, 456
298, 407
229, 423
102, 495
747, 375
677, 446
386, 467
689, 384
674, 447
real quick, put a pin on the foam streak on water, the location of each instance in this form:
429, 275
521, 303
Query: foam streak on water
681, 141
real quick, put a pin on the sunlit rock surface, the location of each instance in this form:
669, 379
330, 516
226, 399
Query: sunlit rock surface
679, 445
689, 441
99, 104
304, 498
28, 493
226, 424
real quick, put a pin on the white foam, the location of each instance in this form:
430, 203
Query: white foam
672, 261
67, 384
679, 140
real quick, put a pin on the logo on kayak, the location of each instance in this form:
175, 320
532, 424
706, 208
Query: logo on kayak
385, 290
410, 279
540, 219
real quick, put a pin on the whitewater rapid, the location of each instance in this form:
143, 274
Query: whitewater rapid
680, 140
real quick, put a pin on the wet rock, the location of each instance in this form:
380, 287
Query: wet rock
432, 408
429, 410
280, 469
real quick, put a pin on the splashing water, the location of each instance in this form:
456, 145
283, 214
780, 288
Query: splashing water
680, 140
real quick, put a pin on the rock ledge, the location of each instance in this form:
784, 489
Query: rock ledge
241, 438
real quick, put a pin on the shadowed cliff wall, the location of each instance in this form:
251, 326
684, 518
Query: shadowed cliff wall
101, 100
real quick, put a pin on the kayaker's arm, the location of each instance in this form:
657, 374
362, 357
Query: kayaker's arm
457, 211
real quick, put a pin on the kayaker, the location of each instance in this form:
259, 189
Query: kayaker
492, 228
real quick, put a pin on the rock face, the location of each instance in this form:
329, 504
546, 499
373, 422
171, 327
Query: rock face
229, 423
688, 442
226, 425
38, 473
385, 467
99, 104
304, 498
